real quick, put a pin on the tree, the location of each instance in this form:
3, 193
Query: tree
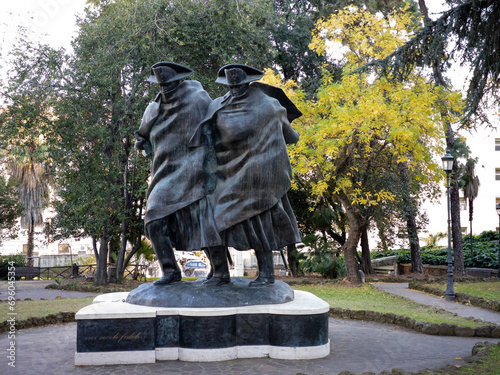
409, 213
32, 181
471, 190
292, 33
357, 132
10, 210
25, 155
97, 95
467, 33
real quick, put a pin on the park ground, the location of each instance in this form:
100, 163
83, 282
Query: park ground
60, 303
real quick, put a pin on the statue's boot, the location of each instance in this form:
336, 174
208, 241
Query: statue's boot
164, 252
211, 272
266, 269
220, 276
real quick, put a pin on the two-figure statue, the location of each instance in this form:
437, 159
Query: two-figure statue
220, 170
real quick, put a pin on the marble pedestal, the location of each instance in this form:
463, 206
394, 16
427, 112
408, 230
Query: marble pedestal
112, 331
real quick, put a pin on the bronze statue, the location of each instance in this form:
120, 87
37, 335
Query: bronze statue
250, 127
178, 214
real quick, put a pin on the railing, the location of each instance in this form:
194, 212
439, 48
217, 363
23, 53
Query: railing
137, 271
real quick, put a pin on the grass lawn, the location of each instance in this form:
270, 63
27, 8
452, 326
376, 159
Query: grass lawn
362, 297
366, 297
489, 290
35, 308
488, 366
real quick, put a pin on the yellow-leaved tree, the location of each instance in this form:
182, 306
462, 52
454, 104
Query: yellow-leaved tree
363, 142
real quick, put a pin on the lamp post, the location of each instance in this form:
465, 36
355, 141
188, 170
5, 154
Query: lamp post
448, 167
498, 213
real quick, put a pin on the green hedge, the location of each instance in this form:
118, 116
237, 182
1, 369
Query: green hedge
485, 249
19, 261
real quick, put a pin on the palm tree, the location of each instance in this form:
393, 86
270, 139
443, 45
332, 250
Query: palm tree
471, 190
32, 182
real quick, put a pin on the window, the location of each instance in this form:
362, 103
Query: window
463, 204
497, 144
497, 174
463, 230
63, 248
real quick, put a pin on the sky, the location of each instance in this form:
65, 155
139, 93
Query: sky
51, 21
54, 22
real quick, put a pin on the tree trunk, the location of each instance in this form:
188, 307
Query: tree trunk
125, 222
382, 236
31, 245
121, 252
409, 212
94, 246
365, 251
454, 194
340, 238
471, 209
456, 230
292, 259
101, 274
350, 246
135, 249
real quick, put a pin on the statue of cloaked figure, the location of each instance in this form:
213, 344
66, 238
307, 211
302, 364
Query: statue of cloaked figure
178, 214
250, 127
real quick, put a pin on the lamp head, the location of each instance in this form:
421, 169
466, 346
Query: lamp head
448, 160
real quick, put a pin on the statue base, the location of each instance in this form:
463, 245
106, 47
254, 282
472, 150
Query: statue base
112, 331
195, 294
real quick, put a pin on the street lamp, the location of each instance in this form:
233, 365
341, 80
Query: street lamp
448, 167
498, 213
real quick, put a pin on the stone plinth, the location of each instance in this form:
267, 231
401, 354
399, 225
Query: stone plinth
195, 294
112, 331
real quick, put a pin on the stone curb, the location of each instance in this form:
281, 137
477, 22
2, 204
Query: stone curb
443, 329
58, 318
479, 352
460, 297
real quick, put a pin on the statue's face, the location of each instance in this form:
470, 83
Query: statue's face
169, 86
163, 74
238, 90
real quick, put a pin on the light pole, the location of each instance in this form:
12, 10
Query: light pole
498, 213
448, 167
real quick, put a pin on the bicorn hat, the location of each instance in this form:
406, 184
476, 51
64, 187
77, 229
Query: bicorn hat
168, 72
237, 74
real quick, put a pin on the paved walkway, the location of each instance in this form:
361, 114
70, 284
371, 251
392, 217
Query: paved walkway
401, 289
356, 346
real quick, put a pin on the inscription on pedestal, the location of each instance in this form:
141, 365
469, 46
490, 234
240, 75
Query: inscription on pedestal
102, 335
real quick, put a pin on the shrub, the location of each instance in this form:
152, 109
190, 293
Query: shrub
487, 236
18, 259
485, 252
323, 258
